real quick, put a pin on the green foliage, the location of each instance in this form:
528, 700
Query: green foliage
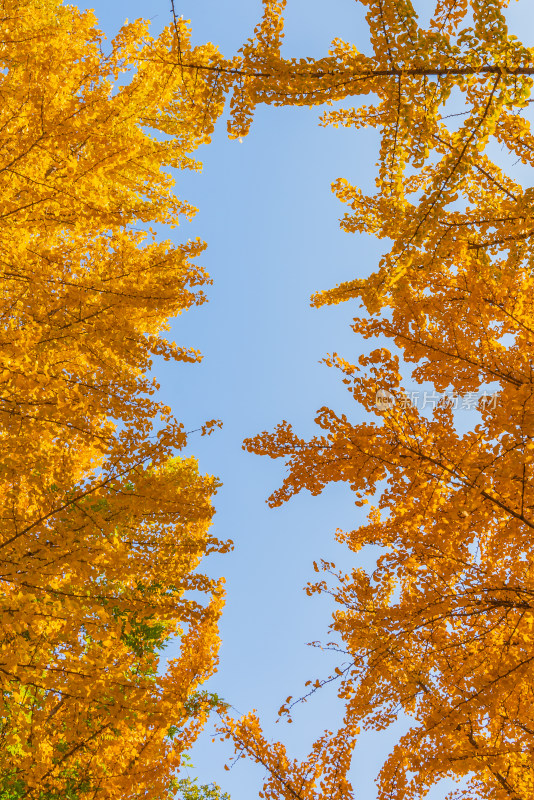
144, 637
14, 788
207, 701
190, 790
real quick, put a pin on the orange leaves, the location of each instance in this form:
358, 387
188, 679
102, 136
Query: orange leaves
442, 628
321, 774
209, 427
95, 650
448, 14
103, 527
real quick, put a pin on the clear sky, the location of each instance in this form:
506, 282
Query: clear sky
270, 221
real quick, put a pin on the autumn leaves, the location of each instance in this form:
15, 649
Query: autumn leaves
104, 527
440, 631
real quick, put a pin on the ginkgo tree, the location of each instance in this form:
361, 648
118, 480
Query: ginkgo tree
441, 630
103, 527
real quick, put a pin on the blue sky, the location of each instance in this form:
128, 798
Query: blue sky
270, 221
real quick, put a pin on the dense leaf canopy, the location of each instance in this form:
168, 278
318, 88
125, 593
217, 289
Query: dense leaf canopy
103, 528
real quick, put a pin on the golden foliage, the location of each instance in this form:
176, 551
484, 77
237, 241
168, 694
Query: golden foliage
102, 528
442, 629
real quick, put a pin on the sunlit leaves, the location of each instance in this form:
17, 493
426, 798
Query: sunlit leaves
103, 529
441, 630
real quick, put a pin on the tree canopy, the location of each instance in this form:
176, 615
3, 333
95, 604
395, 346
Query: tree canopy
103, 526
440, 630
